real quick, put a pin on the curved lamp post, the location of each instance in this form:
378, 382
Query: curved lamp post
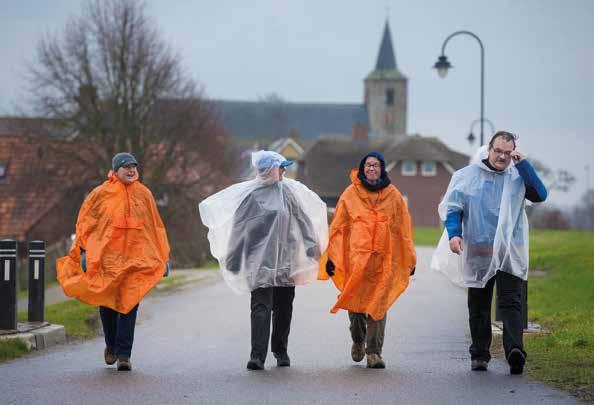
443, 65
471, 136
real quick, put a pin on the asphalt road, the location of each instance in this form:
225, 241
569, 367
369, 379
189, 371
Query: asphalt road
192, 346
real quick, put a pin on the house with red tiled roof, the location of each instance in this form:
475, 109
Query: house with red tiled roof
31, 208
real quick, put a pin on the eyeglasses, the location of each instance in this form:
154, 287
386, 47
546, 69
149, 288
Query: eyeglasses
372, 165
503, 152
129, 166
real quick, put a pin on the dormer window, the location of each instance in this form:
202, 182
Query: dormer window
428, 168
409, 168
389, 96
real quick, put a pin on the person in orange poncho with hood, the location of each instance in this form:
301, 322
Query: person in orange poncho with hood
370, 255
119, 254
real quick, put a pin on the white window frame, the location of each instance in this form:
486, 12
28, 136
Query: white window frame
409, 173
429, 172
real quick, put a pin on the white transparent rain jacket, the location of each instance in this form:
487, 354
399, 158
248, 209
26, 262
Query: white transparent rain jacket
494, 225
266, 232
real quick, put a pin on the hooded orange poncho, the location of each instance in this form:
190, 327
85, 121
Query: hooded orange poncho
371, 245
126, 247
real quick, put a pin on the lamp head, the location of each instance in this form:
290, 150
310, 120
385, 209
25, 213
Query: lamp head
442, 65
471, 138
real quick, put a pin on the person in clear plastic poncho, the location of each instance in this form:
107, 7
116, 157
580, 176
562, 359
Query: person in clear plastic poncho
267, 235
486, 242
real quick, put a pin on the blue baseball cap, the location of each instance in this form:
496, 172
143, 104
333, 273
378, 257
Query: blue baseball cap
267, 159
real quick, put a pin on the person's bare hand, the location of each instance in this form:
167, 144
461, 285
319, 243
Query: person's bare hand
517, 156
456, 245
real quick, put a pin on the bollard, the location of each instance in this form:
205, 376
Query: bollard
8, 294
36, 281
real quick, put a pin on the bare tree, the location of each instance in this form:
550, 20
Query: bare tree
109, 84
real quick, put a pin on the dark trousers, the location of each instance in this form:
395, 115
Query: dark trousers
509, 298
275, 302
118, 330
365, 329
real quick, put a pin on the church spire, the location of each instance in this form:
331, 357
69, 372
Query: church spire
386, 59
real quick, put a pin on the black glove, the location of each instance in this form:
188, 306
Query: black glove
330, 268
313, 252
83, 260
412, 273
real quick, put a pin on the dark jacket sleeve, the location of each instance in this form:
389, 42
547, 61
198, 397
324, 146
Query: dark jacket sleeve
238, 234
535, 189
305, 225
453, 221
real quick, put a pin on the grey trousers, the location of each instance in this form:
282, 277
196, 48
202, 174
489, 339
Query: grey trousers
365, 329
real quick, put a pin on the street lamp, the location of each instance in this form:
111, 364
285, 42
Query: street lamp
471, 136
443, 65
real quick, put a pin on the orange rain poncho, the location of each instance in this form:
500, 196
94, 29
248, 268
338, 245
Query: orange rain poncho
371, 245
126, 247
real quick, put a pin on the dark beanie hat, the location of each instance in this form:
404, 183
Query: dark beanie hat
122, 159
379, 157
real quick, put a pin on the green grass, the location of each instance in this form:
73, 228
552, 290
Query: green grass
171, 283
12, 348
427, 236
212, 264
562, 302
80, 320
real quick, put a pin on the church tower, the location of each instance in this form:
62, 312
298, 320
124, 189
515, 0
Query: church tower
386, 92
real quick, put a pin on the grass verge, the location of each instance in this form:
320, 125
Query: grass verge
425, 236
562, 302
80, 320
12, 348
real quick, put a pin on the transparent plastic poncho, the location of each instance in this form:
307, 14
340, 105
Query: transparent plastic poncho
494, 225
265, 232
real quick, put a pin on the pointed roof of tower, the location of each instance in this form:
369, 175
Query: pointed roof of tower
386, 59
385, 67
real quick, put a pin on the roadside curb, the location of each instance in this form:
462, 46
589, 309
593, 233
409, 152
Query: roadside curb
39, 336
497, 328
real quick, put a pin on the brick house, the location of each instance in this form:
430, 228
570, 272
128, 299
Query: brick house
420, 167
31, 208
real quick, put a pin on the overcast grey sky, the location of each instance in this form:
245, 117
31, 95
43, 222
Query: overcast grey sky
538, 78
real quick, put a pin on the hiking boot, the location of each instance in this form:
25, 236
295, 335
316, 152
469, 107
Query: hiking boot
124, 364
109, 356
516, 360
375, 361
358, 351
282, 359
255, 364
479, 365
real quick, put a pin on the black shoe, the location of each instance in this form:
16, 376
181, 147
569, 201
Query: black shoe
516, 360
255, 364
282, 359
479, 365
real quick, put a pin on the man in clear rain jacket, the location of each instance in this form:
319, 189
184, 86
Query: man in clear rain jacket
486, 242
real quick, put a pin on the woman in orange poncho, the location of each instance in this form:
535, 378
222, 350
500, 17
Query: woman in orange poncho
119, 254
370, 255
